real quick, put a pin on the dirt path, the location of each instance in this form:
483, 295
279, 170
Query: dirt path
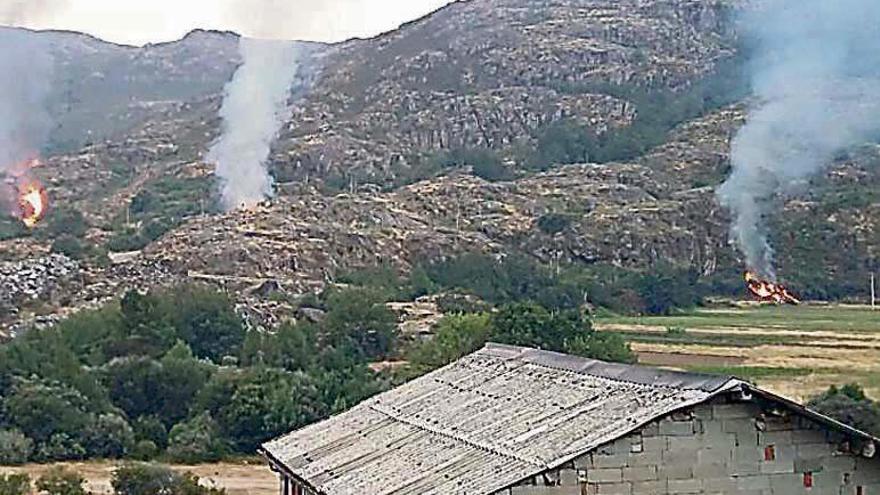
237, 479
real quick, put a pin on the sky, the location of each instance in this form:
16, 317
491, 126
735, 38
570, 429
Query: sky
137, 22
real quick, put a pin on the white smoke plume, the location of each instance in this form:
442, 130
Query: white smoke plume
25, 79
254, 109
817, 81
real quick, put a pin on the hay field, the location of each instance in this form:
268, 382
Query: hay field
794, 351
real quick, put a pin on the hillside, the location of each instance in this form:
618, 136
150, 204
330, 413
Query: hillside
365, 170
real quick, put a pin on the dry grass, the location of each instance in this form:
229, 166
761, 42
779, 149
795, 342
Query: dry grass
238, 479
799, 351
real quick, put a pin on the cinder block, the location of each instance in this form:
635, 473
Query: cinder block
610, 461
723, 485
807, 450
745, 468
757, 482
780, 481
545, 490
649, 487
777, 467
677, 428
714, 456
675, 471
732, 411
746, 438
614, 489
679, 457
843, 463
568, 477
774, 437
808, 436
651, 429
583, 462
645, 473
607, 475
773, 423
711, 470
685, 443
811, 465
652, 458
653, 444
685, 486
704, 412
738, 425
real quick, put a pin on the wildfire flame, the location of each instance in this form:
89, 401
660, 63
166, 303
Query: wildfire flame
769, 291
33, 203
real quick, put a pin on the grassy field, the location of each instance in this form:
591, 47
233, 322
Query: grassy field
794, 351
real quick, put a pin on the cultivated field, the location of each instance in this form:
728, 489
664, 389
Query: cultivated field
793, 351
253, 478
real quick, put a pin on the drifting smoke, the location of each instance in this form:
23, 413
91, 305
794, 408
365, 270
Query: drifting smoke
25, 79
254, 109
818, 83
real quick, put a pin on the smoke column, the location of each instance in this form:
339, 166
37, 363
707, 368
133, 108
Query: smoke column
25, 78
817, 80
254, 109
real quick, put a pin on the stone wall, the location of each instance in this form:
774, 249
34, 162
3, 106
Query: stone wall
717, 448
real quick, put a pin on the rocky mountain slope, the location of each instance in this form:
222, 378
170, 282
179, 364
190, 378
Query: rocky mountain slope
486, 74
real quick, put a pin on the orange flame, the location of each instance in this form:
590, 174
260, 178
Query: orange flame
33, 202
767, 291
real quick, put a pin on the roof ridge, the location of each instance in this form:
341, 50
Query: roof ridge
623, 373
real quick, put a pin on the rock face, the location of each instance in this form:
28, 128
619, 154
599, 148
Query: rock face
481, 73
490, 73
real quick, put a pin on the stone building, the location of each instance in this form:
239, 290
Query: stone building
514, 421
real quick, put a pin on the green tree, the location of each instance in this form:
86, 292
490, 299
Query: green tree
255, 405
454, 336
40, 410
149, 329
15, 447
849, 404
110, 436
665, 288
60, 481
196, 440
358, 320
205, 319
142, 386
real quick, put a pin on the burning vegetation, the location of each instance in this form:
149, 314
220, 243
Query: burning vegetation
767, 291
31, 201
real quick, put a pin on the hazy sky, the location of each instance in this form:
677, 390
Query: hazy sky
142, 21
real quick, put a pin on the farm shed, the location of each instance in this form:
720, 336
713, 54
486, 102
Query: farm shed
511, 420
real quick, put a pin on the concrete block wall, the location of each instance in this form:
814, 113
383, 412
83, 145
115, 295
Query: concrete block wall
717, 448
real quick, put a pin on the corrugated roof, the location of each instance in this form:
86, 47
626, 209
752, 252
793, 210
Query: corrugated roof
484, 422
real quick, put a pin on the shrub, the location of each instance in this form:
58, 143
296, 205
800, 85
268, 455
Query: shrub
60, 481
66, 222
68, 246
153, 479
461, 304
15, 484
152, 429
110, 437
15, 447
61, 447
553, 223
196, 440
145, 450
